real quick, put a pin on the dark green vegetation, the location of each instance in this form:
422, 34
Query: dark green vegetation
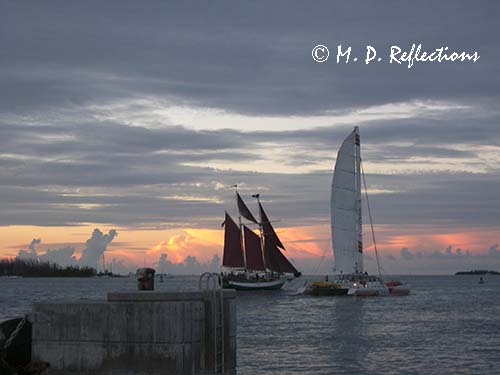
477, 272
35, 268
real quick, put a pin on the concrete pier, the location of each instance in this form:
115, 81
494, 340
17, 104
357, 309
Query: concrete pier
135, 333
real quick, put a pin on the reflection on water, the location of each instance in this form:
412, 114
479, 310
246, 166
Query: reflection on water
301, 335
447, 325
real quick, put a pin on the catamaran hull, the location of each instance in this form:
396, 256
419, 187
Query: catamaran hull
320, 292
366, 292
263, 285
355, 285
399, 291
356, 292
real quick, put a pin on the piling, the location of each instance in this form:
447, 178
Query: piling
145, 279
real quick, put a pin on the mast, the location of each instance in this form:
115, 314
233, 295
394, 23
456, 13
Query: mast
260, 252
261, 231
253, 250
359, 228
233, 256
240, 225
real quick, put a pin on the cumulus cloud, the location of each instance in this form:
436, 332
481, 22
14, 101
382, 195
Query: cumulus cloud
63, 256
406, 254
164, 265
119, 266
96, 245
31, 253
494, 251
33, 243
450, 253
215, 263
446, 261
190, 265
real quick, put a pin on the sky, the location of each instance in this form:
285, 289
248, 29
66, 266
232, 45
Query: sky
123, 123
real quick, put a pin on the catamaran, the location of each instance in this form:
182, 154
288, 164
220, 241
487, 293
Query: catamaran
347, 236
253, 261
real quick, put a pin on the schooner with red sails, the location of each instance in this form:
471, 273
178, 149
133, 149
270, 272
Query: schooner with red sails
253, 261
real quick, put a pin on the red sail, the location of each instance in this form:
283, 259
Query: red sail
275, 260
244, 211
269, 232
253, 250
233, 253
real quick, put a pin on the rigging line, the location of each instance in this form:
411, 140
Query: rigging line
370, 216
321, 260
319, 265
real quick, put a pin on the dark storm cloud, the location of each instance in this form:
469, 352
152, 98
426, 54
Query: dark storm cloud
65, 168
479, 125
249, 57
95, 136
422, 135
80, 172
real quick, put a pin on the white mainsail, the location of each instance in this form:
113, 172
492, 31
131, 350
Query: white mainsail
346, 207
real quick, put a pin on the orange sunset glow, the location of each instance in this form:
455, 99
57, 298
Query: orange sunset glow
138, 247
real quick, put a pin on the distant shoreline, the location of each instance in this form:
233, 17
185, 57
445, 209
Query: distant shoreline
34, 268
477, 272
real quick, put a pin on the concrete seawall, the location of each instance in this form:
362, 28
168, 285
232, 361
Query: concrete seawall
135, 333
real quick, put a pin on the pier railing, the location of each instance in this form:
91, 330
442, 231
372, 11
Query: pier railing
212, 283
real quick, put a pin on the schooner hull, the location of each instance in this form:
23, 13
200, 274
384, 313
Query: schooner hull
250, 285
254, 262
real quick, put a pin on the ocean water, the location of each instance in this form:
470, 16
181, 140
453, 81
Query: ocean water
448, 325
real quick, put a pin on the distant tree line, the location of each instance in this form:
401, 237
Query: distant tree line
37, 268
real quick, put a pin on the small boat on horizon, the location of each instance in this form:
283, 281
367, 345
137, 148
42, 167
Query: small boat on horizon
253, 261
347, 236
164, 276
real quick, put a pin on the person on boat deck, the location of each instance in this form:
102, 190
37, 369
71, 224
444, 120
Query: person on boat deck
326, 278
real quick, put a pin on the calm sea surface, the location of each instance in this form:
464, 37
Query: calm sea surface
448, 325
